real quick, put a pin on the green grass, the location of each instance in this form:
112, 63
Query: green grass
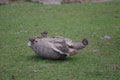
100, 60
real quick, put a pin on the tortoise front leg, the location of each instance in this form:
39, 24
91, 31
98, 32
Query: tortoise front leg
80, 45
44, 34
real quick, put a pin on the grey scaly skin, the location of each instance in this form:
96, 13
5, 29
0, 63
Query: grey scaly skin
43, 49
55, 48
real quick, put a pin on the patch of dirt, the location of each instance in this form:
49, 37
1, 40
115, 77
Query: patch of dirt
100, 0
116, 16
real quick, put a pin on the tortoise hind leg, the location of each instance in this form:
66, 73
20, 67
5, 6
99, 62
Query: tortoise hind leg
64, 47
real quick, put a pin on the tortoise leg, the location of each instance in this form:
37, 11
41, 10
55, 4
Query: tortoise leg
72, 52
85, 41
80, 45
32, 39
64, 47
44, 34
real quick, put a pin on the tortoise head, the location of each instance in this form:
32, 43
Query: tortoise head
33, 40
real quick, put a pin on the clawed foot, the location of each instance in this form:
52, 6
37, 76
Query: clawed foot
44, 33
74, 52
85, 41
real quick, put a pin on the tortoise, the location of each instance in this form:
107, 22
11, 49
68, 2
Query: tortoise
56, 48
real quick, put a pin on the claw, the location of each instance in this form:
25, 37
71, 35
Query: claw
85, 41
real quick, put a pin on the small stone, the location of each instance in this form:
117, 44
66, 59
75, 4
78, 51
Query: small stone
95, 50
35, 70
107, 37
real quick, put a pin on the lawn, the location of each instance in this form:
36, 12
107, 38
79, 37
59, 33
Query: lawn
100, 60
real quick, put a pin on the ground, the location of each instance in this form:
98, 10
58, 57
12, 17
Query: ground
100, 60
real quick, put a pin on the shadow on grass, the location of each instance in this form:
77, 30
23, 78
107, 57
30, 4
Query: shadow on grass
36, 58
